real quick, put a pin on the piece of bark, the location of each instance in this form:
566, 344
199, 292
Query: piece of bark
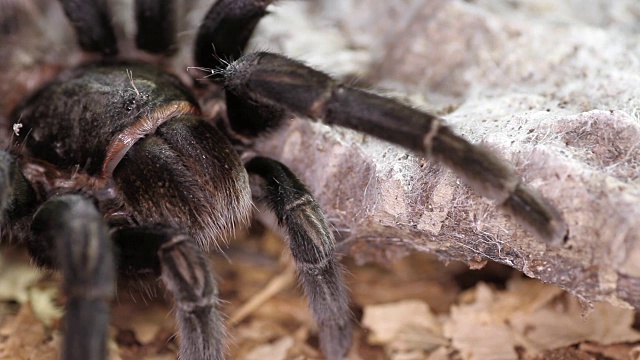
553, 87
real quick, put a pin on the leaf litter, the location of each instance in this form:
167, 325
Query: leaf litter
415, 309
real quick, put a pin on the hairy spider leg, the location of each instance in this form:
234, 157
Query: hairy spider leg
221, 39
8, 170
77, 242
313, 248
157, 27
69, 234
264, 81
186, 273
225, 31
91, 20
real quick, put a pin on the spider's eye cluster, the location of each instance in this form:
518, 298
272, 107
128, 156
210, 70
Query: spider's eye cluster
135, 102
130, 104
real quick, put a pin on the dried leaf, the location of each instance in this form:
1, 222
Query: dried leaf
440, 354
27, 338
523, 295
16, 276
476, 332
387, 321
536, 316
563, 325
42, 301
274, 351
634, 354
407, 329
147, 324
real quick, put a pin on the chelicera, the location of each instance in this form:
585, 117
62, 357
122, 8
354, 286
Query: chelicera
115, 171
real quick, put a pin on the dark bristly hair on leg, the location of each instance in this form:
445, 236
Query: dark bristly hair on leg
313, 248
92, 22
156, 26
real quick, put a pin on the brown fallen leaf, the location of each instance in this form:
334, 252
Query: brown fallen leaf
476, 332
147, 324
43, 304
538, 318
275, 285
562, 324
27, 338
407, 329
386, 321
273, 351
16, 276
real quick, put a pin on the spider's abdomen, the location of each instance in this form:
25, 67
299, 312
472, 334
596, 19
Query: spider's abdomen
75, 119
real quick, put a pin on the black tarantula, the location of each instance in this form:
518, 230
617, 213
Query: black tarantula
116, 171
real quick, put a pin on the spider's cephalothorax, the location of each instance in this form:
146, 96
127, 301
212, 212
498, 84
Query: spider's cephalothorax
154, 127
115, 170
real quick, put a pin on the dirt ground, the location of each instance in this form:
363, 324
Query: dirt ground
418, 308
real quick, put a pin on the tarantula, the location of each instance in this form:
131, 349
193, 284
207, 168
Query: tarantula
116, 171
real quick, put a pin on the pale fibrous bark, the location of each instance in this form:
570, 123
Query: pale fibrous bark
551, 86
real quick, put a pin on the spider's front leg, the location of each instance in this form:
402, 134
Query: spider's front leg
68, 233
265, 83
313, 248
